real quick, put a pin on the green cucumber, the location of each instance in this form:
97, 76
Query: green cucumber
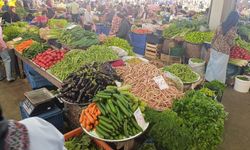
123, 109
111, 106
101, 109
105, 119
119, 117
125, 128
105, 129
108, 108
114, 121
103, 96
102, 132
106, 125
136, 125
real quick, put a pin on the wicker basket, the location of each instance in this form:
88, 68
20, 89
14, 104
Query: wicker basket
167, 44
192, 50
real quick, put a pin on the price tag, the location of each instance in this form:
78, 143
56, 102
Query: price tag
140, 119
159, 80
118, 84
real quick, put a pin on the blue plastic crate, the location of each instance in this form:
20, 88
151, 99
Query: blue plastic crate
139, 50
35, 79
138, 40
54, 116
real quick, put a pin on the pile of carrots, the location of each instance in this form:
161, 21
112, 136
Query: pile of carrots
89, 117
24, 45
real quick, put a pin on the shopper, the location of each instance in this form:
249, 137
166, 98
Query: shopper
11, 16
88, 19
75, 11
221, 45
116, 21
29, 134
124, 28
6, 59
5, 7
40, 21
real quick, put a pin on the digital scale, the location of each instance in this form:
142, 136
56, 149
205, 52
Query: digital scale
38, 101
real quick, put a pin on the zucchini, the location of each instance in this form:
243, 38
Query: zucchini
119, 117
114, 121
108, 108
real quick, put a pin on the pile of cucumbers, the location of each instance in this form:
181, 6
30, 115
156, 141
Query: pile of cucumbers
117, 120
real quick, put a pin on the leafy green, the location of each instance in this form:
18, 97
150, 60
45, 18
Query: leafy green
242, 43
197, 60
203, 117
78, 38
82, 142
121, 43
216, 86
167, 130
208, 92
198, 37
182, 71
13, 30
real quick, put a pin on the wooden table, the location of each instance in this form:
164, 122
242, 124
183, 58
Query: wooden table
41, 71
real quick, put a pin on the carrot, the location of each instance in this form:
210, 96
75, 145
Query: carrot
89, 117
98, 112
88, 128
96, 123
81, 117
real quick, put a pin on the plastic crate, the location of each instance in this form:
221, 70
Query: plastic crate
35, 79
138, 40
54, 116
139, 50
78, 131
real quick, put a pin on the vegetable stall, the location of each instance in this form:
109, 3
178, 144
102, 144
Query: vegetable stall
120, 96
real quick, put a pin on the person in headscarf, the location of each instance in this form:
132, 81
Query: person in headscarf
29, 134
10, 16
124, 28
222, 42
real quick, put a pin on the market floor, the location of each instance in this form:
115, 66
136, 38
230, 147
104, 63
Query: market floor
237, 127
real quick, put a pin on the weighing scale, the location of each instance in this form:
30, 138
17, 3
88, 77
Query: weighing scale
38, 101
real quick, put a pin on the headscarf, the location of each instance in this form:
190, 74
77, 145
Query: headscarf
230, 22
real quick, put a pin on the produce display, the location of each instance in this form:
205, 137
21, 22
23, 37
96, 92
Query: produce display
117, 106
78, 38
23, 45
76, 58
140, 77
34, 49
30, 35
167, 130
198, 37
82, 142
203, 117
239, 53
121, 43
13, 30
173, 31
217, 87
81, 86
49, 58
57, 23
243, 44
182, 71
88, 118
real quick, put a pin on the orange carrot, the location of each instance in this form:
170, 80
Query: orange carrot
96, 123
